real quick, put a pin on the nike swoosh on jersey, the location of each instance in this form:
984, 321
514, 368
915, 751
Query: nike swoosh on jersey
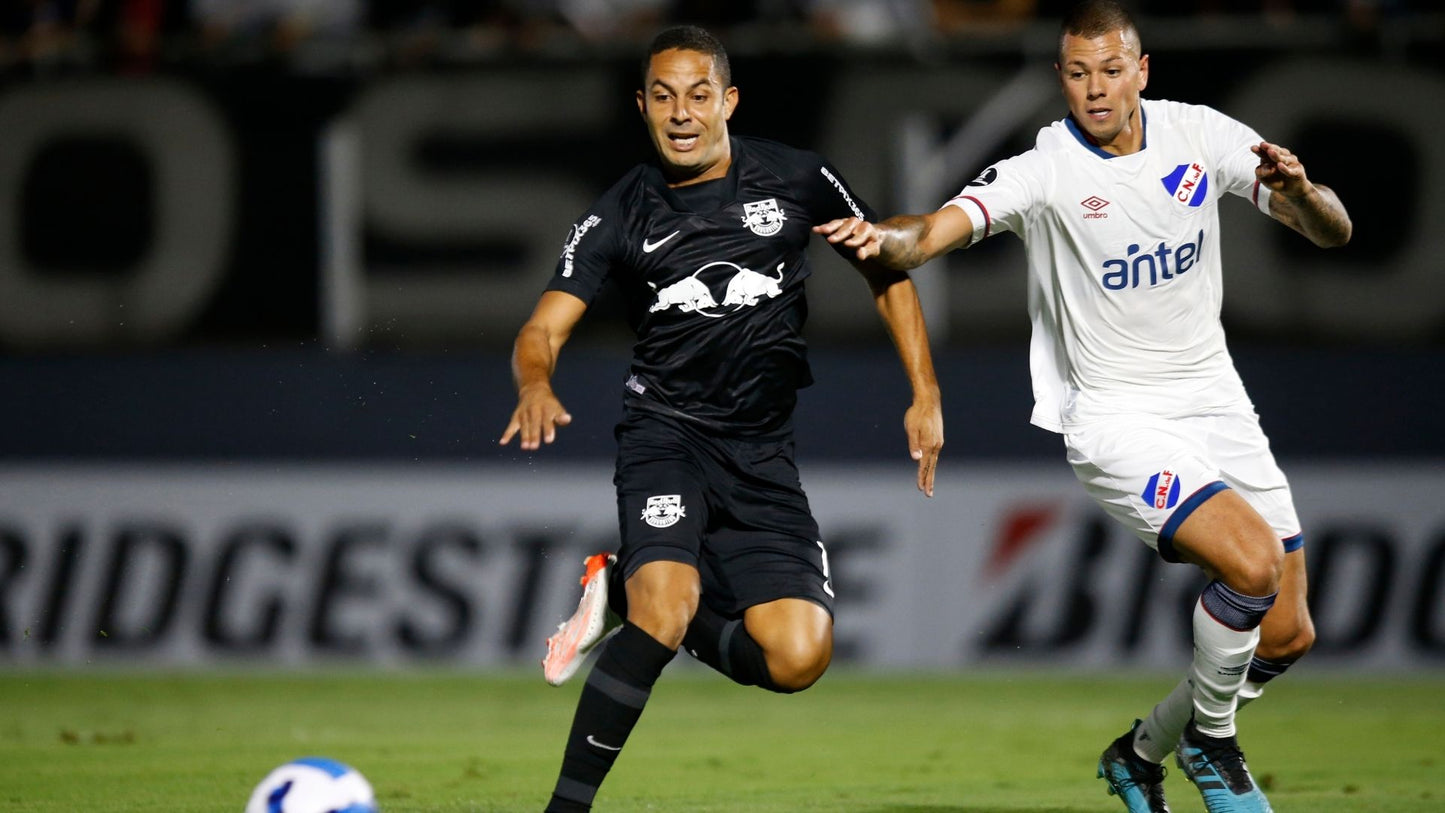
648, 246
590, 739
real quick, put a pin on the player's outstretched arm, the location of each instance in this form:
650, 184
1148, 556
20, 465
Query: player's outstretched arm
897, 302
901, 242
1311, 209
534, 358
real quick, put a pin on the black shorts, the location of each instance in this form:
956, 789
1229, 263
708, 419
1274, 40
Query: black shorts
732, 508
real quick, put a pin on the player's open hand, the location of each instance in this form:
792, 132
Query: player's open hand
924, 423
853, 232
1280, 170
536, 418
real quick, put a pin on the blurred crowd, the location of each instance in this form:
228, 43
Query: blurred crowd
135, 36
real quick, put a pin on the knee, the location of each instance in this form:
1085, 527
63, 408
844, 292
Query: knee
665, 621
1289, 645
1258, 574
662, 603
795, 668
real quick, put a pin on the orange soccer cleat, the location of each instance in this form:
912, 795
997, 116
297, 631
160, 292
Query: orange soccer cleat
593, 623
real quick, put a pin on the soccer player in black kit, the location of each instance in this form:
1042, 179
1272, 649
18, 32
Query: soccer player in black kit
720, 553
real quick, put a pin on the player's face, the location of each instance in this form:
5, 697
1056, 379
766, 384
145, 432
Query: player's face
1102, 78
687, 109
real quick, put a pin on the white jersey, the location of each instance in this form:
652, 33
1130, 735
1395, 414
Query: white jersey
1124, 267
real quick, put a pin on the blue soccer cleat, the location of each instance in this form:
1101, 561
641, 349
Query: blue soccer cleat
1216, 767
1138, 782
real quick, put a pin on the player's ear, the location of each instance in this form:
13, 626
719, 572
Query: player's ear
730, 102
642, 103
1143, 71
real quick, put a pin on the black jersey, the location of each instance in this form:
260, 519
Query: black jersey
713, 277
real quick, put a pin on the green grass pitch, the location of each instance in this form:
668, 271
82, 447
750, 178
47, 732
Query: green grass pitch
968, 742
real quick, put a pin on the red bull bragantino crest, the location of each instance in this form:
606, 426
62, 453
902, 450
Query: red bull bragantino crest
764, 217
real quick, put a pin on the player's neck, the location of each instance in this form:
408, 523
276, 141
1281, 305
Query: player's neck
717, 171
1128, 140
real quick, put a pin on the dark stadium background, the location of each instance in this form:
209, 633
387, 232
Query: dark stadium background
248, 372
325, 304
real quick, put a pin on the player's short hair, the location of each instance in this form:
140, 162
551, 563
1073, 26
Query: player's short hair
691, 38
1095, 18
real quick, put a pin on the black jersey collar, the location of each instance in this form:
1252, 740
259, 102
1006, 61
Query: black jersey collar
722, 191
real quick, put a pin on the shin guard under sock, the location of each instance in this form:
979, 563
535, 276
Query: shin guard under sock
612, 700
1226, 630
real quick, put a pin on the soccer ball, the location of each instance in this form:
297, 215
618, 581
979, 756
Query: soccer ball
313, 785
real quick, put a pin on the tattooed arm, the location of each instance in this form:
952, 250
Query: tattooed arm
904, 241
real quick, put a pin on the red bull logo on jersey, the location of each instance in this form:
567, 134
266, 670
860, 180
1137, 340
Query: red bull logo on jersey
745, 288
1188, 184
1150, 267
764, 217
687, 294
1163, 490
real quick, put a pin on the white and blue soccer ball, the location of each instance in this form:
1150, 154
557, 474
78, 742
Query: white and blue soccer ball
313, 785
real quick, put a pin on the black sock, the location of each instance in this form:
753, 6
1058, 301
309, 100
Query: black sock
725, 645
612, 700
1263, 670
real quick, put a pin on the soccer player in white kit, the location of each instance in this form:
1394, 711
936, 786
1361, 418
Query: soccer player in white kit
1117, 208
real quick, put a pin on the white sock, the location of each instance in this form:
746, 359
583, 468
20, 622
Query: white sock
1159, 733
1221, 659
1251, 690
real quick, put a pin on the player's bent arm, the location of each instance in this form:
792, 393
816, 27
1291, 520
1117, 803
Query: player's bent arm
908, 241
896, 298
1317, 214
534, 358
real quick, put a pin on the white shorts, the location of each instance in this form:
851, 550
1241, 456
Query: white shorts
1151, 473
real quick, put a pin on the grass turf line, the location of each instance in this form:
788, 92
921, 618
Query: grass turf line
443, 742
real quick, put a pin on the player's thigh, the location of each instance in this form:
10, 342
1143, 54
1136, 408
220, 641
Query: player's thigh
764, 543
1147, 473
661, 497
794, 633
1232, 542
1240, 448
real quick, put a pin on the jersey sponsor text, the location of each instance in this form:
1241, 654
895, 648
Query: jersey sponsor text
575, 237
1130, 271
847, 198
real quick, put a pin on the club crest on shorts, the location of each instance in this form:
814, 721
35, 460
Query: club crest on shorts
1162, 490
764, 217
664, 510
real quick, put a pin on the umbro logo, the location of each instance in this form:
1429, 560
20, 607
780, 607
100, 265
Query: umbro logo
648, 246
1095, 205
